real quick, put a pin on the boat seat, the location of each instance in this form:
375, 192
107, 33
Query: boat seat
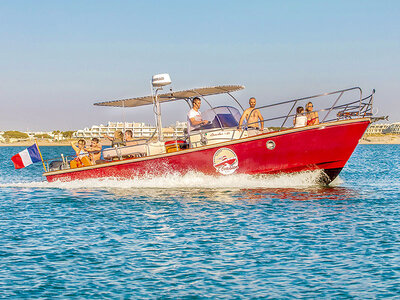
56, 165
126, 151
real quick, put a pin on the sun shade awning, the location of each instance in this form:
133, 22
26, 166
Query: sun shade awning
172, 95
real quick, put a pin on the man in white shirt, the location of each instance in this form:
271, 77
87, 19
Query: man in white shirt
194, 119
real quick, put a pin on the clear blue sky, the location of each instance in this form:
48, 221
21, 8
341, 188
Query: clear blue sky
59, 57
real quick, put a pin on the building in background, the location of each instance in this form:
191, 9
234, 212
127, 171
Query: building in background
393, 128
140, 130
34, 134
376, 129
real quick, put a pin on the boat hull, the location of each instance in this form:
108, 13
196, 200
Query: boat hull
325, 146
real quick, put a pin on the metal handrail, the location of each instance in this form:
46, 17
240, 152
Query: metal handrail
365, 111
236, 101
348, 106
360, 108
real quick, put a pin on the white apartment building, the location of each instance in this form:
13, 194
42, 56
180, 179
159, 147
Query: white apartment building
31, 134
140, 130
376, 129
393, 128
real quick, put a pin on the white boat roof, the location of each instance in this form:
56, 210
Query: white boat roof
172, 95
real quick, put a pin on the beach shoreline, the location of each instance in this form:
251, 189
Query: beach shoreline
382, 139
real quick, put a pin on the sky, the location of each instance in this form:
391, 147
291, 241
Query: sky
57, 58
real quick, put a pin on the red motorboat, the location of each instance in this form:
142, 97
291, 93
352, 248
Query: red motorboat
221, 148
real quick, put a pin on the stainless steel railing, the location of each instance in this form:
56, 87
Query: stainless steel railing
361, 107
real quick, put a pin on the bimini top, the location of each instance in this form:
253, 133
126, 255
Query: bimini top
171, 96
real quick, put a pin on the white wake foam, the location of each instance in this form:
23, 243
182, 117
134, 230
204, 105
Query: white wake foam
190, 180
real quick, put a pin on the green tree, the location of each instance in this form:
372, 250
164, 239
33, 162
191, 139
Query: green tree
15, 135
68, 134
42, 136
56, 134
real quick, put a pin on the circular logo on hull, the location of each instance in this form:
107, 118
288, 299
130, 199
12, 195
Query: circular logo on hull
225, 161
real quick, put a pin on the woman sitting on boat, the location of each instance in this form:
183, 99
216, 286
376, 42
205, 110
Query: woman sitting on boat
117, 140
300, 119
129, 141
82, 156
312, 116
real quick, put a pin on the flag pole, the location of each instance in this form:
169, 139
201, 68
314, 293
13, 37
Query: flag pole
44, 167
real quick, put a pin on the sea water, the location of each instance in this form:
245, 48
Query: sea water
198, 236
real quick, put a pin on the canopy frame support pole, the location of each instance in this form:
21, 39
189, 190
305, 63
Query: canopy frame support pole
158, 113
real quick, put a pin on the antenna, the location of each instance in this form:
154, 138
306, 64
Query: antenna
158, 81
161, 80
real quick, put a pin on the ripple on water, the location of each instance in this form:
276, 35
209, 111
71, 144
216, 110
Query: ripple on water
175, 237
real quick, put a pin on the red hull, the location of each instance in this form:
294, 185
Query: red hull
325, 146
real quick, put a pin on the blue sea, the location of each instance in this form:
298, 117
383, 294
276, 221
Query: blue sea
201, 237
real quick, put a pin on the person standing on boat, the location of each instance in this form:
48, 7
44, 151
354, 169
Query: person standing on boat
252, 116
194, 119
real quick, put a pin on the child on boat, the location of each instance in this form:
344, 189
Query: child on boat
82, 156
299, 119
94, 150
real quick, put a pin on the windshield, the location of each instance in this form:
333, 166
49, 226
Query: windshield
221, 117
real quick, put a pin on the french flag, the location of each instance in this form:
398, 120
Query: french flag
27, 157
